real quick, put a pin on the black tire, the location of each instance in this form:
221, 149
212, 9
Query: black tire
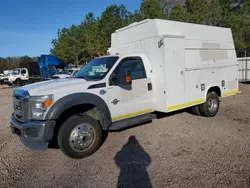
18, 82
195, 110
9, 84
206, 110
68, 126
23, 83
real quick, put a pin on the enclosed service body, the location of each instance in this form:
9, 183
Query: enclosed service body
186, 60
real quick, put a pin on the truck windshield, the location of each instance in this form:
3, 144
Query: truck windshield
96, 69
16, 72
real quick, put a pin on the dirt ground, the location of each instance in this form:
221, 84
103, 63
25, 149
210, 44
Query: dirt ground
181, 150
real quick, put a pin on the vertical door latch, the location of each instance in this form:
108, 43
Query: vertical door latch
150, 86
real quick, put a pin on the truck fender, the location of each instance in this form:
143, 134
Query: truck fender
214, 88
77, 99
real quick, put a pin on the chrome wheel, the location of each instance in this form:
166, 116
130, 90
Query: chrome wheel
81, 137
212, 105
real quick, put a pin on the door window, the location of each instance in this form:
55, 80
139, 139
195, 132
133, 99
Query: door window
23, 72
135, 65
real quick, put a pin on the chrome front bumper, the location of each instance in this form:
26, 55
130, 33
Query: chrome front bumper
33, 134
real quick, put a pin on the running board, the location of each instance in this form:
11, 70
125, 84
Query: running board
122, 124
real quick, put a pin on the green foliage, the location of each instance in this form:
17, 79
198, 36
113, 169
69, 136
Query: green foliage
113, 18
10, 63
78, 44
151, 9
178, 13
69, 44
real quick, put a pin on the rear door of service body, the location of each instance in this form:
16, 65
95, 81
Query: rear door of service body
127, 101
174, 57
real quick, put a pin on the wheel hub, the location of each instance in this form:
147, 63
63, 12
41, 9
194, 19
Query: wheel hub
81, 137
212, 105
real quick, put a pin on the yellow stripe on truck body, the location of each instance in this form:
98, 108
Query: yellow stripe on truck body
200, 101
181, 106
172, 108
231, 93
132, 114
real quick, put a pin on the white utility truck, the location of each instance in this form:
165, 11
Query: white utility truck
159, 66
6, 74
19, 76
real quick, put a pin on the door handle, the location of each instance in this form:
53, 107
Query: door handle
115, 101
150, 86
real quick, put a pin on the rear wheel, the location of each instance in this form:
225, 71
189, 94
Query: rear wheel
195, 110
80, 136
211, 107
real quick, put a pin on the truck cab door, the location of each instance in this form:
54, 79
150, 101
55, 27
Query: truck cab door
24, 74
127, 101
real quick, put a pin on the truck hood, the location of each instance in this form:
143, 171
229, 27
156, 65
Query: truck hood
58, 86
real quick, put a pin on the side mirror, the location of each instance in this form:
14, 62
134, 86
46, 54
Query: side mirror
122, 78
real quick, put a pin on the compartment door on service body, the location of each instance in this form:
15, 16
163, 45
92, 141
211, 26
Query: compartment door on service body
127, 101
174, 55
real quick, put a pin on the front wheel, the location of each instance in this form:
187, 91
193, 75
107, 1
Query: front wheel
23, 82
80, 136
18, 82
211, 107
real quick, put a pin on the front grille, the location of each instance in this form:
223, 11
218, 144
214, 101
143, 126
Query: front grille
18, 109
21, 105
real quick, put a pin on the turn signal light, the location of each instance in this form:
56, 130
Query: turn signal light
128, 79
48, 103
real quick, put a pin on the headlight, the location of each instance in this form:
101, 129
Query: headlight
39, 105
